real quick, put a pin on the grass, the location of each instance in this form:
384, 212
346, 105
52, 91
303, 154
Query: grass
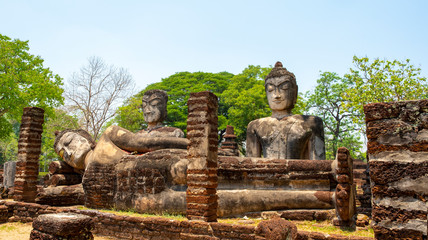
327, 228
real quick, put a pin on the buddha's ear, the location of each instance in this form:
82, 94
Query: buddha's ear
56, 133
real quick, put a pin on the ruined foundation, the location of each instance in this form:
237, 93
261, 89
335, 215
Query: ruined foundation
398, 157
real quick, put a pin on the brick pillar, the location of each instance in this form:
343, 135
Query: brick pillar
29, 149
345, 190
397, 148
201, 195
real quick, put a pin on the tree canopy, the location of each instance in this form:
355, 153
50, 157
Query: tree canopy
178, 86
327, 101
24, 82
246, 99
382, 81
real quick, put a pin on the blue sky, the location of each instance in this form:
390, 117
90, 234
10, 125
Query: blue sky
155, 39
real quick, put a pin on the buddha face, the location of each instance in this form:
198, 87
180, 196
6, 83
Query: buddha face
154, 108
281, 93
72, 147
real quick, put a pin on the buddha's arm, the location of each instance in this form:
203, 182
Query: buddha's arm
142, 143
252, 144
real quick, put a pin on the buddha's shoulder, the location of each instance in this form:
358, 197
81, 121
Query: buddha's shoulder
308, 120
263, 121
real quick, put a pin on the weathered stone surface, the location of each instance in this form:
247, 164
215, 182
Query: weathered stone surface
202, 177
236, 202
398, 154
99, 184
283, 135
345, 189
64, 179
56, 167
386, 233
308, 215
29, 149
9, 171
229, 147
61, 195
277, 229
62, 226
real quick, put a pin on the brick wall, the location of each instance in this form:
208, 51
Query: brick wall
398, 158
99, 184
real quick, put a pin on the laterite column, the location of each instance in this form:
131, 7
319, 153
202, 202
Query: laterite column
397, 148
29, 149
345, 190
202, 178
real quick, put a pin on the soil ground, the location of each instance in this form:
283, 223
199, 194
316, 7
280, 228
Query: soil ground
20, 231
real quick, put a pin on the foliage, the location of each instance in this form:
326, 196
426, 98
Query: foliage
24, 82
96, 91
8, 148
178, 86
382, 81
327, 102
246, 99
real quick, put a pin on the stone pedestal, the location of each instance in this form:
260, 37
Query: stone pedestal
29, 149
202, 180
397, 148
67, 226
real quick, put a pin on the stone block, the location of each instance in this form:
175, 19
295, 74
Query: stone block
62, 226
9, 171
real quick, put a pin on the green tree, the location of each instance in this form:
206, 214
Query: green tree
246, 99
327, 101
24, 82
9, 145
382, 81
178, 86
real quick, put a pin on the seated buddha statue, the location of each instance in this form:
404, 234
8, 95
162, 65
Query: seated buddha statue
284, 135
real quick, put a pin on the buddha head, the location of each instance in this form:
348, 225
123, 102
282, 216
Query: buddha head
281, 89
73, 146
154, 107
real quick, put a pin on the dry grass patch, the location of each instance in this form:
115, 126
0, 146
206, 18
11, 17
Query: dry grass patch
327, 228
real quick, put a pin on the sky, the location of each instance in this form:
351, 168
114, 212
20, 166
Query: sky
155, 39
